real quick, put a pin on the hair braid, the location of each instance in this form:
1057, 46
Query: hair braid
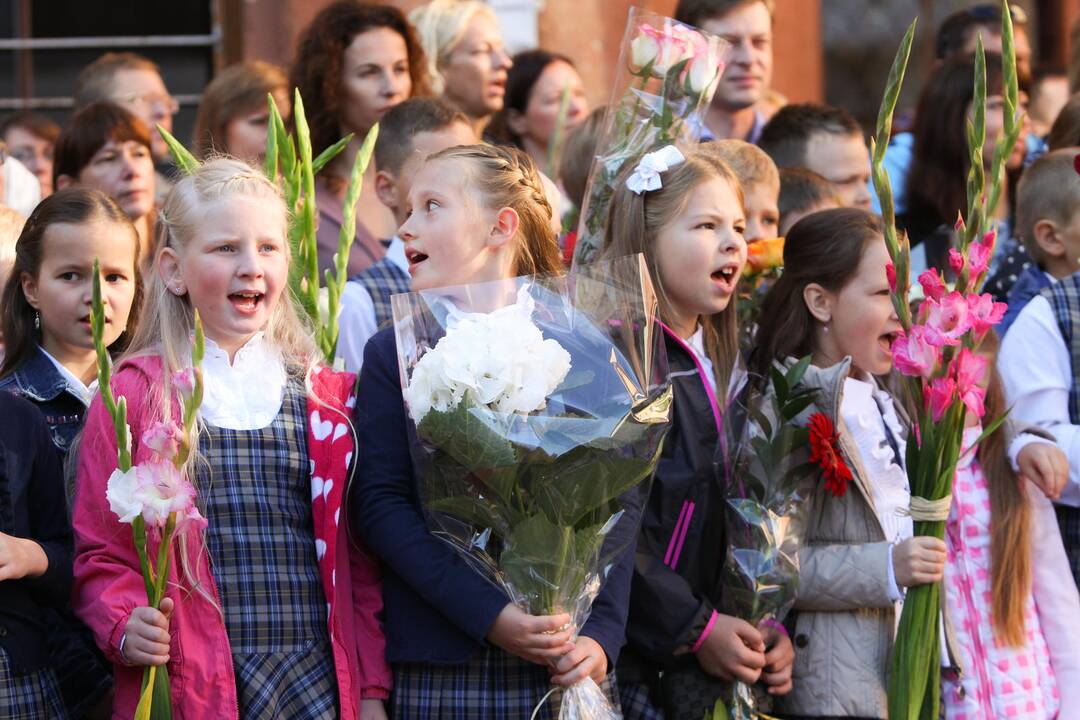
506, 177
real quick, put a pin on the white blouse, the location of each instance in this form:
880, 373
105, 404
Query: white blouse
247, 394
866, 409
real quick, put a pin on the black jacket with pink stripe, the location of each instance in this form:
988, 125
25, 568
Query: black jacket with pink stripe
681, 547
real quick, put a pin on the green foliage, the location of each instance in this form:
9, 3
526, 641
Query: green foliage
289, 161
550, 507
914, 687
183, 159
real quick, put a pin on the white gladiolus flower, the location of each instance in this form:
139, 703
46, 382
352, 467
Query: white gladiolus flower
499, 360
123, 496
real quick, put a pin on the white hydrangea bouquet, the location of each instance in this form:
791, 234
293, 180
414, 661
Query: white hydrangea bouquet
540, 408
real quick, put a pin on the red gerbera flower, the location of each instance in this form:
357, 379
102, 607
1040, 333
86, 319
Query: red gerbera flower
824, 452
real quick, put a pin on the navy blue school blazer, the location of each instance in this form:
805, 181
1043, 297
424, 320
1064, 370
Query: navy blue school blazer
437, 608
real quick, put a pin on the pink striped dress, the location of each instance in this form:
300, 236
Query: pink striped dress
997, 681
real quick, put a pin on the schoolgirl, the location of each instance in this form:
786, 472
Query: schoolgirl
271, 611
459, 647
689, 222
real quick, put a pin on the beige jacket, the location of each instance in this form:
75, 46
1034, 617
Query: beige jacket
845, 619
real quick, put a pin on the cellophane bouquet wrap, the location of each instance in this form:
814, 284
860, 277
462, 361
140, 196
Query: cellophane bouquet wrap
540, 405
766, 488
666, 76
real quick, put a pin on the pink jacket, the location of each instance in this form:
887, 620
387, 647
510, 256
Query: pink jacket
109, 585
1032, 681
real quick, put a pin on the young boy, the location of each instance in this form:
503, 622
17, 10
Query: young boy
825, 139
408, 133
1040, 354
803, 192
760, 182
1047, 199
747, 25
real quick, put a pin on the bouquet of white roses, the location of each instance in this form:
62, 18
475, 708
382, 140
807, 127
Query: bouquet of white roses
540, 407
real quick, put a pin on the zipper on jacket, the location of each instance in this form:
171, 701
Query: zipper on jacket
713, 404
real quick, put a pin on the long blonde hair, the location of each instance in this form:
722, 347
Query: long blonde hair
504, 176
635, 222
440, 25
168, 321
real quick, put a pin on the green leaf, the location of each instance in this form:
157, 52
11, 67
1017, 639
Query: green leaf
780, 386
471, 436
793, 407
330, 153
270, 161
581, 481
797, 372
475, 511
183, 159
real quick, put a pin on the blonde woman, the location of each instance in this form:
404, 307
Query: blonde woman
467, 63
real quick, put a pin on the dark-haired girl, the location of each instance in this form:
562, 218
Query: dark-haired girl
50, 361
859, 553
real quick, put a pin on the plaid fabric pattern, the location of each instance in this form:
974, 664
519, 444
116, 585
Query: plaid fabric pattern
33, 696
494, 685
262, 550
1069, 523
383, 279
1064, 297
637, 703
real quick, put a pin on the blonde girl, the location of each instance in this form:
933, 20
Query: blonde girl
270, 611
691, 229
459, 647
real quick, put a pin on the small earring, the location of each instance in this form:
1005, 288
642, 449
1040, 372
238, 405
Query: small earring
826, 328
178, 291
37, 320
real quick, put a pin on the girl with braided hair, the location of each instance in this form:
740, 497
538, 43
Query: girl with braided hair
458, 646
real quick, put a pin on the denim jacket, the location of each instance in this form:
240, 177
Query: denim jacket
39, 381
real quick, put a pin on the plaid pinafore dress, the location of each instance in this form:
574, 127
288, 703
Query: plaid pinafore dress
261, 542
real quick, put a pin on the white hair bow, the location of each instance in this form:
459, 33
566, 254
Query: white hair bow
646, 175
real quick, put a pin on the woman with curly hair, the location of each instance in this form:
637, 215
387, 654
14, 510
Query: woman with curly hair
353, 63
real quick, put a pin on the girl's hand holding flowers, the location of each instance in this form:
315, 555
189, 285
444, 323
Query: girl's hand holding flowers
779, 659
734, 650
587, 659
146, 635
919, 560
539, 639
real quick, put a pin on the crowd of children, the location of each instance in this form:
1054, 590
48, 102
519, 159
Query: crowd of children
316, 590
